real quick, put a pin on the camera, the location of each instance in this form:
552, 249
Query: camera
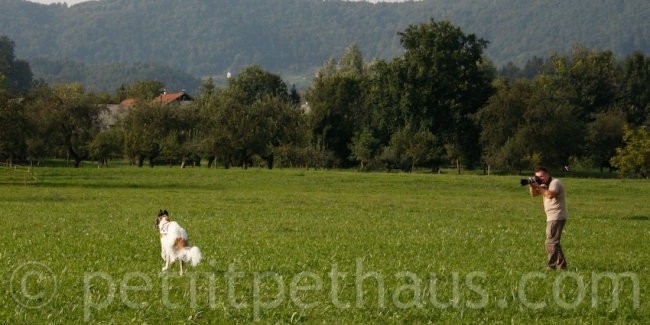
530, 180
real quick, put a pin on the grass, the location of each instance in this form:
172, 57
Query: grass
298, 246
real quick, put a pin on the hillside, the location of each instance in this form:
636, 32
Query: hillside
211, 37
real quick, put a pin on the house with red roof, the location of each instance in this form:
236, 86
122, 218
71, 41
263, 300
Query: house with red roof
180, 98
114, 110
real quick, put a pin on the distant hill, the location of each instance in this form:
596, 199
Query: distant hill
294, 37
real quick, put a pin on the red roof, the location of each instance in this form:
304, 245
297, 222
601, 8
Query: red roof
163, 99
128, 102
167, 98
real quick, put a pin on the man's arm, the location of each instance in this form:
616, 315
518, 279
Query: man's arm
536, 190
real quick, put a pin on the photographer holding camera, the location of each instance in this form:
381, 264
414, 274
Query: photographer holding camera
552, 191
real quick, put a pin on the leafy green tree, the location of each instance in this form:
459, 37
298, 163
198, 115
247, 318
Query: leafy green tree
364, 147
17, 73
553, 129
106, 145
500, 120
39, 136
340, 106
280, 124
207, 102
253, 84
587, 79
68, 118
604, 135
12, 126
144, 129
180, 138
254, 116
415, 147
383, 100
351, 61
445, 81
335, 103
220, 119
636, 70
524, 124
634, 157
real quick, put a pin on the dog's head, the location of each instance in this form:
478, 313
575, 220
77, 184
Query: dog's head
163, 214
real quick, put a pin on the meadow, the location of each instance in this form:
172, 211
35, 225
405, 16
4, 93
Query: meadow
314, 246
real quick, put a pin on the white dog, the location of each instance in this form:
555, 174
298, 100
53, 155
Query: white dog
174, 243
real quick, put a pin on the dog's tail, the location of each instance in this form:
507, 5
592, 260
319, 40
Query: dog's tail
194, 255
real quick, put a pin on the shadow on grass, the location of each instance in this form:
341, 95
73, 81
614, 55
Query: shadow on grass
188, 185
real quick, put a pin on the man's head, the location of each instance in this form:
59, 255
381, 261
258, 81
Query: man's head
543, 174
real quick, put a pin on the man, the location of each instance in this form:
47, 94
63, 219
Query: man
552, 191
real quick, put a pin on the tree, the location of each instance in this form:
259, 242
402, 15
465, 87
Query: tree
335, 103
17, 73
340, 106
551, 130
279, 124
68, 118
637, 88
445, 81
604, 135
144, 128
634, 157
415, 147
105, 145
588, 80
351, 61
254, 116
12, 126
500, 120
179, 139
383, 100
363, 147
253, 84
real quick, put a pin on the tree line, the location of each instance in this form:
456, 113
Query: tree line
441, 102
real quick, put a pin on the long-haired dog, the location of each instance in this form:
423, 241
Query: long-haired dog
174, 243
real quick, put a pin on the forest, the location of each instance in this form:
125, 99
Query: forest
440, 103
293, 38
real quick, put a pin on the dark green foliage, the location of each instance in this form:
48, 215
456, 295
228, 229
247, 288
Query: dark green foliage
334, 103
636, 70
445, 81
15, 74
12, 126
63, 121
254, 117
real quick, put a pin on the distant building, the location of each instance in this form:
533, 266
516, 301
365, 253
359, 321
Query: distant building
113, 111
127, 102
110, 115
180, 98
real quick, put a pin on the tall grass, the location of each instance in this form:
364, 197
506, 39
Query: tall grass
318, 247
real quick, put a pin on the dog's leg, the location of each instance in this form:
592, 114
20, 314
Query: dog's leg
166, 263
163, 253
181, 262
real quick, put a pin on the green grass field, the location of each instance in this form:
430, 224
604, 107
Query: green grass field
304, 246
